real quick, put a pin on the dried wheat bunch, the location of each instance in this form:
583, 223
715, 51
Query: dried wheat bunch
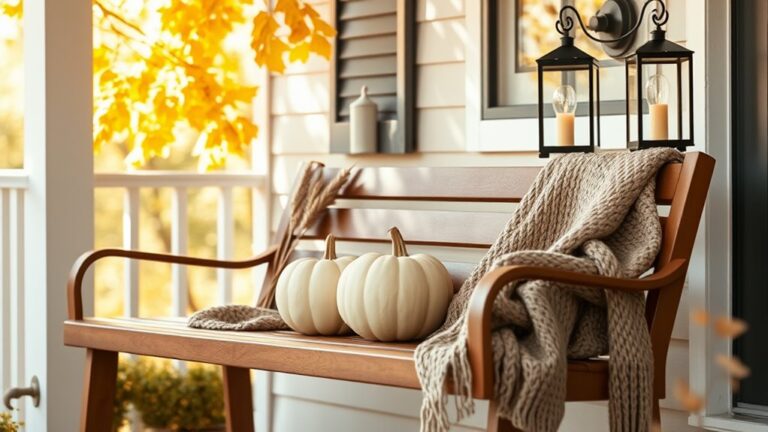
310, 199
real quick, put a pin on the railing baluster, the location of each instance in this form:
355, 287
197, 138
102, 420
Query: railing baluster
179, 234
17, 290
5, 292
260, 235
131, 241
224, 230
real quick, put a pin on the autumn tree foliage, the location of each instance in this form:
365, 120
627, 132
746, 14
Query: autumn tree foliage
161, 70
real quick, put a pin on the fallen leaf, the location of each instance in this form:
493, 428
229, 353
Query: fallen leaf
733, 366
728, 327
690, 401
700, 317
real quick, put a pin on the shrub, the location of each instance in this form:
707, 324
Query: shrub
166, 398
7, 424
123, 394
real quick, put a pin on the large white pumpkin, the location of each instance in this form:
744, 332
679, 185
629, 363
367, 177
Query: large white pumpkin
394, 297
306, 293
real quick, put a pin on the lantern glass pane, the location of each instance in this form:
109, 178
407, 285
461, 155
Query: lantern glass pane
665, 101
632, 98
567, 125
657, 91
596, 106
685, 101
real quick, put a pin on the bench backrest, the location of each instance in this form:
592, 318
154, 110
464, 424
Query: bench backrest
378, 198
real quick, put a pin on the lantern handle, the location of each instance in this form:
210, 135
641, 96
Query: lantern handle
564, 24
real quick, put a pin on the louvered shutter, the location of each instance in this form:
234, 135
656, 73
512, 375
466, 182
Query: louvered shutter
374, 47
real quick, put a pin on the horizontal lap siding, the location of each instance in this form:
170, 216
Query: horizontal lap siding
299, 132
300, 98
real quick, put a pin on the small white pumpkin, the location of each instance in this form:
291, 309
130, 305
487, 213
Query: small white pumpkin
306, 293
394, 297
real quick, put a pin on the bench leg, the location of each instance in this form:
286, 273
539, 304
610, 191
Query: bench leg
238, 399
496, 423
98, 391
656, 414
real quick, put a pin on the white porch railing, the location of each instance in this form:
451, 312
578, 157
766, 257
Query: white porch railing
179, 183
13, 187
13, 184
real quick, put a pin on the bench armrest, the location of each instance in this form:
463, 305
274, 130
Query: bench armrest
75, 283
481, 304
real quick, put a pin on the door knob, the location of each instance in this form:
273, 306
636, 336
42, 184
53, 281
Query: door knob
18, 392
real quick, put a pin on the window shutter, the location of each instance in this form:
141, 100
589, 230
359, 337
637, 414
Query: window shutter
375, 46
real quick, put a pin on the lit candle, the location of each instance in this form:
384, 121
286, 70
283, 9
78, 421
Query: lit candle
565, 129
659, 121
564, 104
657, 93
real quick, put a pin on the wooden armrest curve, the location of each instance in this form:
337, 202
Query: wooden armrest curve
481, 304
86, 260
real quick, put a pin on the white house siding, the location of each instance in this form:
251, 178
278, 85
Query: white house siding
299, 132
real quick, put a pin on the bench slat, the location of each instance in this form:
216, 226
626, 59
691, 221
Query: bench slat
484, 184
422, 227
252, 350
347, 358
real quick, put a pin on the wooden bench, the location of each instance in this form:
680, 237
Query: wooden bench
681, 186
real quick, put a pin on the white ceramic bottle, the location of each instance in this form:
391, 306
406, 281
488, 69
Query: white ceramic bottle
363, 124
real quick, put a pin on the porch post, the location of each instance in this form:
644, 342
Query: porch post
59, 218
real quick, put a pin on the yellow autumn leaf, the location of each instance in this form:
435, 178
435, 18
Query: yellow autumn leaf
322, 27
299, 52
243, 94
732, 366
320, 46
728, 327
165, 68
275, 61
246, 130
689, 400
12, 9
261, 25
700, 317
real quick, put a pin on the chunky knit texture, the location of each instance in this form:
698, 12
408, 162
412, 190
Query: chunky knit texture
590, 213
237, 318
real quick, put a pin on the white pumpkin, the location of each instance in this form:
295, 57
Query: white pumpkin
306, 293
394, 297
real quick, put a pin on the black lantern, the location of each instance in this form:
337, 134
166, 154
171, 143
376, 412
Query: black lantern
659, 80
573, 117
660, 94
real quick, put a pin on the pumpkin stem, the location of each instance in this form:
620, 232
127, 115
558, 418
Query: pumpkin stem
330, 248
398, 244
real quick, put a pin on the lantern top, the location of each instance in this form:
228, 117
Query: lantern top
658, 47
566, 55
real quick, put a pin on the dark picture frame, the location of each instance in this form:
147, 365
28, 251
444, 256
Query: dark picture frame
491, 108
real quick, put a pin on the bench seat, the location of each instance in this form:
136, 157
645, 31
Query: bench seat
349, 358
459, 211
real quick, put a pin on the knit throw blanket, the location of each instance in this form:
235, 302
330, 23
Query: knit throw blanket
589, 213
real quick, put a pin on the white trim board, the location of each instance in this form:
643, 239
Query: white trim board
706, 26
709, 35
727, 423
